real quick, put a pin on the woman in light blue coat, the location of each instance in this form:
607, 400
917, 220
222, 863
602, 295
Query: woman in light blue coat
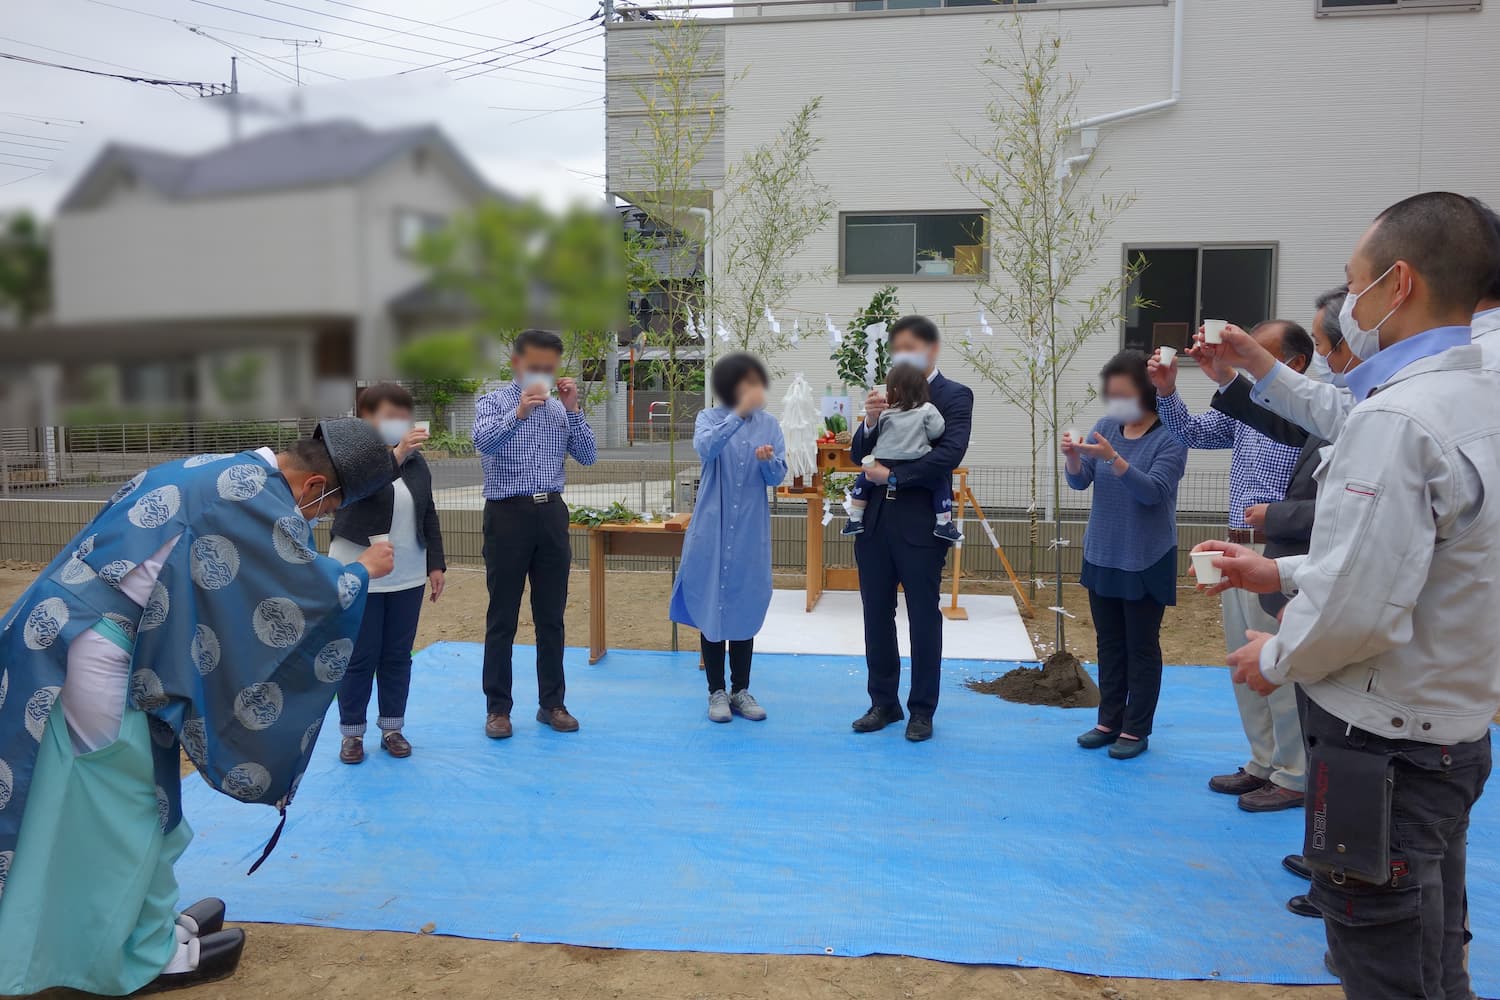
724, 585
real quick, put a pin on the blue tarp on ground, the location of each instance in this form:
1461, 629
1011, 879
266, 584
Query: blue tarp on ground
998, 842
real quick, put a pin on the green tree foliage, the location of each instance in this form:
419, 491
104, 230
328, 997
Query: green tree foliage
25, 269
773, 205
513, 265
849, 356
1046, 228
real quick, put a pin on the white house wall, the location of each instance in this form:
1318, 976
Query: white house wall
1292, 129
139, 257
408, 183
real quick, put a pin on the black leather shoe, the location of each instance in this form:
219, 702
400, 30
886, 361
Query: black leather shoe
1094, 739
877, 719
1297, 865
919, 729
1303, 907
218, 957
204, 917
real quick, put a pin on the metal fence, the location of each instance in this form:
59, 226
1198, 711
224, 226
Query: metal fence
55, 482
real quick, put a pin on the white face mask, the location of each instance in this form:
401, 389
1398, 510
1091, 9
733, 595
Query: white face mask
392, 431
312, 522
1124, 409
914, 358
1364, 343
1317, 368
530, 379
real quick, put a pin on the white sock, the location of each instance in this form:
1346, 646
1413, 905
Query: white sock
185, 958
945, 517
856, 513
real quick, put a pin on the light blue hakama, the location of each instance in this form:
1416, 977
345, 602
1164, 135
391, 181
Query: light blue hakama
95, 906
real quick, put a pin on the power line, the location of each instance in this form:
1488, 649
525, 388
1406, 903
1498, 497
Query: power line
28, 156
73, 55
412, 34
588, 30
28, 135
446, 57
45, 119
23, 177
427, 24
198, 85
28, 145
24, 166
581, 106
247, 53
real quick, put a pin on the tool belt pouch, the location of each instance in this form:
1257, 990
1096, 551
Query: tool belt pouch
1349, 814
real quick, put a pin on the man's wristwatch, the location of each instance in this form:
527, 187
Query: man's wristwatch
890, 481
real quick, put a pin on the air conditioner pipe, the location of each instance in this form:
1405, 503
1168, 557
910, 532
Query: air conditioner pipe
1088, 127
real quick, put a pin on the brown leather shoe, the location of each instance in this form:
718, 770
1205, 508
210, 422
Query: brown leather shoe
1271, 798
558, 718
1238, 783
395, 744
497, 727
352, 750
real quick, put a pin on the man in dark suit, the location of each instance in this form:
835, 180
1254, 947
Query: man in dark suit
898, 548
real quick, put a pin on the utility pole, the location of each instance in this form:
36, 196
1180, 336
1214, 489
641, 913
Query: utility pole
234, 98
296, 44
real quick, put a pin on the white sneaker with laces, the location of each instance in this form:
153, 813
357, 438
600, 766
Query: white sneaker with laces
718, 707
743, 703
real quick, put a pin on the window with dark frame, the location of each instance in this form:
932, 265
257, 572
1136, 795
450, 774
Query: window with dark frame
1326, 7
876, 5
887, 246
1179, 286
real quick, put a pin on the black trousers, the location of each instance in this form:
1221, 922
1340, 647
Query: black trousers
1405, 938
1129, 638
897, 548
525, 541
740, 652
382, 655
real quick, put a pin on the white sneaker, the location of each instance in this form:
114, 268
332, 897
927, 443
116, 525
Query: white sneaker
718, 707
744, 704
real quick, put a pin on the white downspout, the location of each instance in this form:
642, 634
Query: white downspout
707, 215
1088, 127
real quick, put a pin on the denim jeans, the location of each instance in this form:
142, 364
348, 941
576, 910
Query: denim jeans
382, 656
1405, 938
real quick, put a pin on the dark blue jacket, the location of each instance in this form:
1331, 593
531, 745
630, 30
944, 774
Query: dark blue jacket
934, 470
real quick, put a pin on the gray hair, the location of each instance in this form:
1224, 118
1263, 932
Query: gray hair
1332, 303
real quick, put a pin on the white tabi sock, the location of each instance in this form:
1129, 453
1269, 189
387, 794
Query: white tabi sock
185, 958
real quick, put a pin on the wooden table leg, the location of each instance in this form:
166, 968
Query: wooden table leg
814, 551
598, 555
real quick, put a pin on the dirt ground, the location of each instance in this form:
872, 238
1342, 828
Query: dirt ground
317, 962
1193, 631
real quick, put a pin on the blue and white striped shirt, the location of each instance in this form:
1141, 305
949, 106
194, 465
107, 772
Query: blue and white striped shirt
522, 456
1260, 468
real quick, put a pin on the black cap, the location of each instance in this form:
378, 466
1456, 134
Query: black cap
362, 460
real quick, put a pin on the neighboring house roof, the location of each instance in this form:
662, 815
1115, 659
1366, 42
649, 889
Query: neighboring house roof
310, 155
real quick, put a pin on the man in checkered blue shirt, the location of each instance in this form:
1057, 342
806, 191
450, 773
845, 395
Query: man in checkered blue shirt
524, 436
1275, 776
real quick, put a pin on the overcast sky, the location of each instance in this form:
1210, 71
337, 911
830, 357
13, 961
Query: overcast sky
368, 64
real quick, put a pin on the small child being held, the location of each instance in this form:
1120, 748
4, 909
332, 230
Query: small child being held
905, 431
